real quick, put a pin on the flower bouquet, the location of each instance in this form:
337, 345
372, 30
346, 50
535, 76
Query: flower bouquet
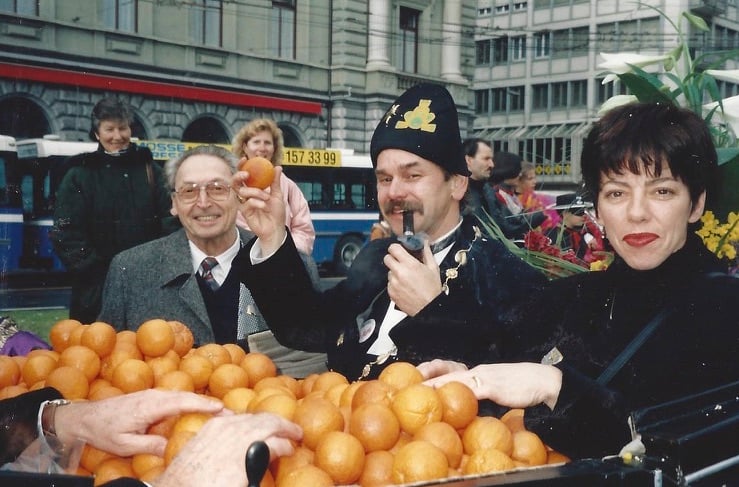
722, 238
540, 252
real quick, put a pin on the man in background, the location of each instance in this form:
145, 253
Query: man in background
479, 158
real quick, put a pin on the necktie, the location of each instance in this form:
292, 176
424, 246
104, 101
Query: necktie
206, 272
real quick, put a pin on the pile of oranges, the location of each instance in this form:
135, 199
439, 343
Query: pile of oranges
393, 430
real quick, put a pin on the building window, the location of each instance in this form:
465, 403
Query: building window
500, 50
206, 22
120, 14
484, 11
408, 45
570, 42
515, 98
608, 90
563, 94
507, 99
542, 44
540, 96
482, 51
559, 95
502, 9
630, 35
578, 93
20, 7
482, 101
548, 4
727, 89
551, 154
282, 29
518, 48
725, 39
500, 103
519, 6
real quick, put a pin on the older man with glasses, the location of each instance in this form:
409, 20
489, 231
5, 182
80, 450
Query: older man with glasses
186, 275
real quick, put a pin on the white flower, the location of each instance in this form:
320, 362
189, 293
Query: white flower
731, 75
730, 113
615, 101
620, 63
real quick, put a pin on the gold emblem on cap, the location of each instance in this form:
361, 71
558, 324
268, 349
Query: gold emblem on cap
419, 118
391, 113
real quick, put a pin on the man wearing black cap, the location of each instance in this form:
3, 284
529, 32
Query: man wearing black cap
507, 210
456, 300
576, 231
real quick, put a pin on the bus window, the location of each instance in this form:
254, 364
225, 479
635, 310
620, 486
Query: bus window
343, 205
40, 169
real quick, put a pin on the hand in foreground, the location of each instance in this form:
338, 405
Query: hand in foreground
118, 424
517, 385
264, 210
411, 284
216, 454
437, 367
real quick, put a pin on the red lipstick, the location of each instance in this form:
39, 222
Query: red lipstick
640, 239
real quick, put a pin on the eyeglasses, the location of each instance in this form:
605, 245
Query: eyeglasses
216, 190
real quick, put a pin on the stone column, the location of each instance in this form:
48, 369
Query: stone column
378, 55
452, 42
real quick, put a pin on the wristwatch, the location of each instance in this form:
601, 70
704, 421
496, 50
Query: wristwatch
48, 414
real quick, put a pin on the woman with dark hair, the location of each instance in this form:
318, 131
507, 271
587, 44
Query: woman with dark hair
507, 210
108, 201
657, 325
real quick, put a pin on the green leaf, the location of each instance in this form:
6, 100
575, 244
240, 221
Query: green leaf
727, 154
710, 85
645, 89
696, 21
715, 59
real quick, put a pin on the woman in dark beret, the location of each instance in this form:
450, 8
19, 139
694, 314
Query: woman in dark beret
649, 168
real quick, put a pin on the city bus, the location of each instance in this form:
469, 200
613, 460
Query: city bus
38, 171
341, 190
11, 214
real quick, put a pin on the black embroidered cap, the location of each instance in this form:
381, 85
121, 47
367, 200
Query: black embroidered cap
423, 121
571, 202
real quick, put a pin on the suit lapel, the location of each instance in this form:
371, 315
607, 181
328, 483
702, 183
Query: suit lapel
178, 269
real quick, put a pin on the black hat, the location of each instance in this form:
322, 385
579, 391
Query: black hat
423, 121
571, 202
506, 165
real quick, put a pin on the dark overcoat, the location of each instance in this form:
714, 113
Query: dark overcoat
106, 204
594, 317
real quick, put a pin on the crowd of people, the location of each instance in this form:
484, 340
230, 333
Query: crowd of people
579, 353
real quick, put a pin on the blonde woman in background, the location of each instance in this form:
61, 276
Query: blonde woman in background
262, 137
533, 200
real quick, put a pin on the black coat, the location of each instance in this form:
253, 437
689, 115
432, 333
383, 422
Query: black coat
106, 204
594, 316
472, 322
514, 227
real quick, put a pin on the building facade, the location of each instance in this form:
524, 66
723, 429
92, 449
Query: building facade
537, 87
325, 70
523, 72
